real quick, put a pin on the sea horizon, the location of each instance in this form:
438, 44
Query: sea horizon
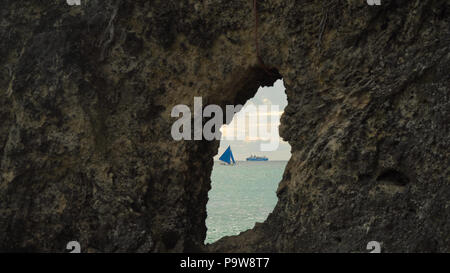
243, 160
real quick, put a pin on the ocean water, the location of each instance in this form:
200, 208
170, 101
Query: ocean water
240, 196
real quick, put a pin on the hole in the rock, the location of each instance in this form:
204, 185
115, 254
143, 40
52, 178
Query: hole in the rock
393, 177
244, 193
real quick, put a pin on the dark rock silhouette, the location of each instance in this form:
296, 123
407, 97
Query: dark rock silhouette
86, 94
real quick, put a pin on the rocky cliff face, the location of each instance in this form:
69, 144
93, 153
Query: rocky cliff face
86, 95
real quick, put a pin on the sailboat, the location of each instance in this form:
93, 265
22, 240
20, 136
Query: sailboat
227, 157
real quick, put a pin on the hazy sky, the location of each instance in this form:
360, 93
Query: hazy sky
251, 146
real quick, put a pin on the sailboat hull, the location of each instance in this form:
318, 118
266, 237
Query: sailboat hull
225, 164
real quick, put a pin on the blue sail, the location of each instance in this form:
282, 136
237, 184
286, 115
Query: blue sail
227, 156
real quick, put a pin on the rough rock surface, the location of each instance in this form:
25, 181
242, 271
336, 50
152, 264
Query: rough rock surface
86, 95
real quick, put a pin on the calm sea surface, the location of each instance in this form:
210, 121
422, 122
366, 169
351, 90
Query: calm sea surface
240, 196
